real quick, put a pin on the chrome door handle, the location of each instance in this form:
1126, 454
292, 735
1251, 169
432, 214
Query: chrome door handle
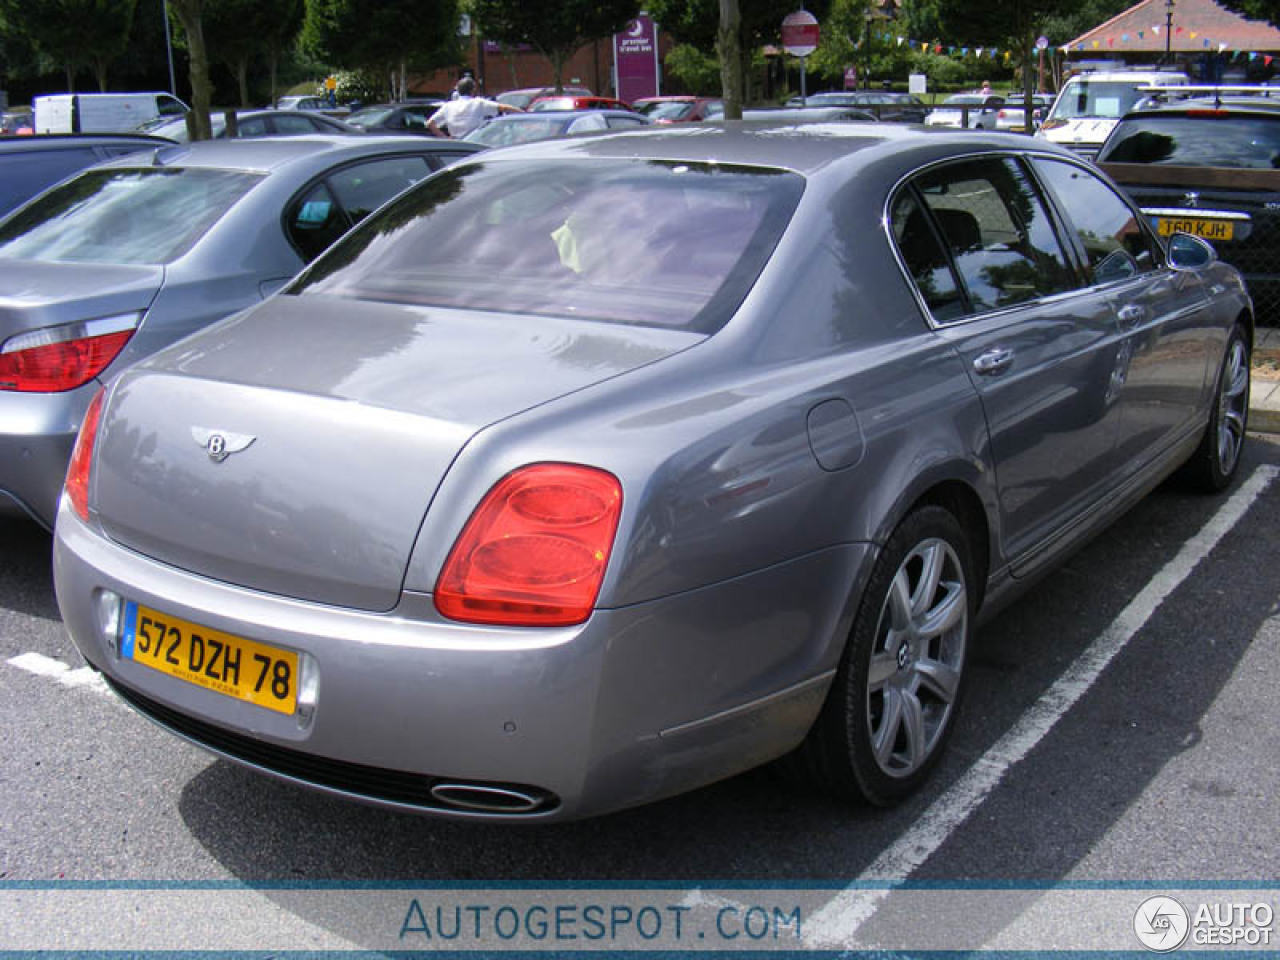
1132, 314
992, 362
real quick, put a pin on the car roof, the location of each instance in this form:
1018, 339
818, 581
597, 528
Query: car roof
29, 143
266, 154
805, 148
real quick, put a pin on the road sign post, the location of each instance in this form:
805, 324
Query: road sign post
800, 38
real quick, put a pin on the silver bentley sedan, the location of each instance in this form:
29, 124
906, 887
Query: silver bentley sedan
589, 472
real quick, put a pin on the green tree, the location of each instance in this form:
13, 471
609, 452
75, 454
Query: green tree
239, 33
74, 33
555, 30
697, 22
387, 37
1267, 10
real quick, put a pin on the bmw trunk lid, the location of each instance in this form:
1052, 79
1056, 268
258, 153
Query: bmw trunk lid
36, 294
295, 449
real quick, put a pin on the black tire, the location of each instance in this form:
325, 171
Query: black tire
882, 729
1214, 463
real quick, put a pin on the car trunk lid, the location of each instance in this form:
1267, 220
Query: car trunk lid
36, 294
336, 422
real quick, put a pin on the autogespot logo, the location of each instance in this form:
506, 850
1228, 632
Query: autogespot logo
1161, 924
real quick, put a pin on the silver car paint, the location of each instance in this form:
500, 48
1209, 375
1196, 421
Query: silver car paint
761, 468
243, 259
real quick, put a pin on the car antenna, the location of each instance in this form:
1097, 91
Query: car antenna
155, 158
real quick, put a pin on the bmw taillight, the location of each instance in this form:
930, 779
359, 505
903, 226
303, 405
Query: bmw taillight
65, 357
78, 472
534, 552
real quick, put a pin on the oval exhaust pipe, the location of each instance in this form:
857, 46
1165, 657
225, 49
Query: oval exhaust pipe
486, 799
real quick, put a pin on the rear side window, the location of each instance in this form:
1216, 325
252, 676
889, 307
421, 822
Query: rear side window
648, 243
994, 234
122, 216
26, 174
1109, 231
363, 187
1229, 141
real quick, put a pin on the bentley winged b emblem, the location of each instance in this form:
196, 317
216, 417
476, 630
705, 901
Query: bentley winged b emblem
220, 444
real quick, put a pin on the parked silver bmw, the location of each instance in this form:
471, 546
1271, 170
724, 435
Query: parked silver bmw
589, 472
127, 257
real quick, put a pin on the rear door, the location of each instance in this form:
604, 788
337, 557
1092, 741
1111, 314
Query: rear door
993, 273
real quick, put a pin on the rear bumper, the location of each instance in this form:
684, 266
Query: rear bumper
636, 704
37, 433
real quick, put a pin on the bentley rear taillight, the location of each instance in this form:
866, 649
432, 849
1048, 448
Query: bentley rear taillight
534, 552
79, 472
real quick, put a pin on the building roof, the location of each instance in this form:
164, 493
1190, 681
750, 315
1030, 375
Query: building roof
1199, 26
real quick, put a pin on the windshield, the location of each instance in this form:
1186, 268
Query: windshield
1096, 98
1241, 142
370, 116
647, 243
123, 216
176, 130
965, 100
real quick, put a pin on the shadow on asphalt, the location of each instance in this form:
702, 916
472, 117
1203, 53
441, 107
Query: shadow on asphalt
26, 565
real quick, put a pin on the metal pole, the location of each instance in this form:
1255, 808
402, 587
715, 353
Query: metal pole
1168, 30
168, 49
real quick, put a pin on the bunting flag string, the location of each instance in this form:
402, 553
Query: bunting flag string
994, 53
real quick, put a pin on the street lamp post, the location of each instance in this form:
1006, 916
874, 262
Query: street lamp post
866, 46
1168, 29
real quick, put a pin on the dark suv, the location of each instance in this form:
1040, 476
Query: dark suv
1209, 165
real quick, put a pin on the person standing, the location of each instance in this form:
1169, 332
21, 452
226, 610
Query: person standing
459, 117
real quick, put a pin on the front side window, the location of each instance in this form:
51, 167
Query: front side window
994, 230
1109, 230
648, 243
153, 215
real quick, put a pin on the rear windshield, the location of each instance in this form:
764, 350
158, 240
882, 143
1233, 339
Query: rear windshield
1231, 141
667, 109
123, 216
647, 243
507, 131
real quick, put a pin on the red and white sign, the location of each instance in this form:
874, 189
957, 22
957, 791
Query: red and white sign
800, 33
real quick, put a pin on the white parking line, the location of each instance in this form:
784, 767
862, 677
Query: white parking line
839, 920
43, 666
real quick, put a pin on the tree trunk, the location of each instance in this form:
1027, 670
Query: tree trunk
100, 73
189, 12
71, 78
729, 47
242, 80
273, 60
557, 64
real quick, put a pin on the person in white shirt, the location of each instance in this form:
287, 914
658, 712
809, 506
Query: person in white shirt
459, 117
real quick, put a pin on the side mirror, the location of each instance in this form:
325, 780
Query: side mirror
1190, 253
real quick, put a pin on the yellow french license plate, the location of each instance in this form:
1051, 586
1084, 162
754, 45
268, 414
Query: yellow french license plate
1197, 227
230, 665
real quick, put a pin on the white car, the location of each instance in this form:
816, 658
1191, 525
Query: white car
1012, 116
301, 103
976, 111
1091, 104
